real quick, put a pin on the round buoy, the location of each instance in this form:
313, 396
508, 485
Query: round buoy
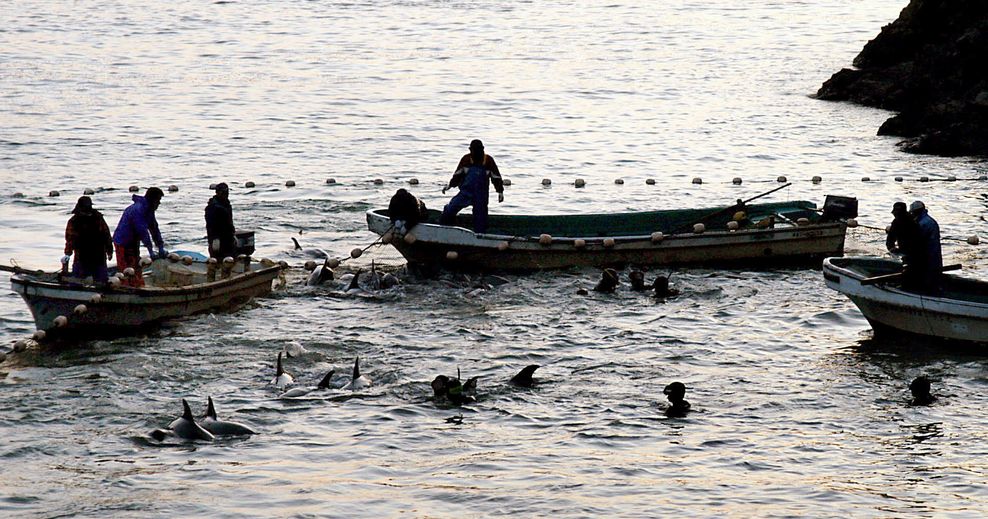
816, 179
781, 179
230, 261
898, 179
951, 178
61, 321
736, 181
378, 181
546, 182
507, 181
88, 192
213, 261
290, 183
983, 178
18, 195
580, 182
866, 179
924, 179
333, 263
503, 246
96, 299
410, 238
803, 221
973, 239
53, 193
738, 216
699, 228
21, 345
249, 184
545, 239
650, 181
732, 225
452, 255
330, 180
310, 265
579, 243
608, 242
413, 181
852, 223
355, 253
129, 272
38, 335
133, 189
657, 237
145, 261
173, 188
697, 180
186, 260
283, 264
619, 181
173, 257
80, 309
115, 282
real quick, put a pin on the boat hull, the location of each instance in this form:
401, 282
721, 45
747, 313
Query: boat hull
951, 315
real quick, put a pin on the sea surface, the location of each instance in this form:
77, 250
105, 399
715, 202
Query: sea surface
797, 409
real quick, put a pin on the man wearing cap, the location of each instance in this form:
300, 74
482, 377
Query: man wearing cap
932, 258
88, 237
475, 170
138, 225
220, 231
903, 234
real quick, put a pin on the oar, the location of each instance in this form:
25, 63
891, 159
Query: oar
726, 209
892, 277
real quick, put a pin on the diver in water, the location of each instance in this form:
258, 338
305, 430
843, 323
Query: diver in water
675, 393
920, 388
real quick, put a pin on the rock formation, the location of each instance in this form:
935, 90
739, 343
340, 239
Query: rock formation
930, 66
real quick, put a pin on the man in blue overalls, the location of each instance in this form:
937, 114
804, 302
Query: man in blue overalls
472, 175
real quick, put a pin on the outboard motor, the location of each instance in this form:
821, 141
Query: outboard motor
839, 208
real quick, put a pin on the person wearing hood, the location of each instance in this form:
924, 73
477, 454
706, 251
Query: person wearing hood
220, 231
929, 248
88, 237
138, 225
474, 174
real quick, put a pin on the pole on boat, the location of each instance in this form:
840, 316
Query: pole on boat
895, 276
724, 210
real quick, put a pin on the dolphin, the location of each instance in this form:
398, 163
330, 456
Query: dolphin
282, 378
220, 427
296, 392
354, 282
358, 381
524, 377
320, 274
454, 391
184, 427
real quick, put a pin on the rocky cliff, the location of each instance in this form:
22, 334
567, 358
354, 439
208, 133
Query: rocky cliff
930, 66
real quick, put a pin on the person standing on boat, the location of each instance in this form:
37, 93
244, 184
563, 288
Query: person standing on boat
904, 235
88, 236
220, 231
932, 258
138, 225
475, 170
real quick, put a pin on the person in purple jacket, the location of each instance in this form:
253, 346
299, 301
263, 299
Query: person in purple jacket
138, 225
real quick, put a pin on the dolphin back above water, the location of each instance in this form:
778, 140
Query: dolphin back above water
184, 427
358, 381
223, 428
281, 378
524, 377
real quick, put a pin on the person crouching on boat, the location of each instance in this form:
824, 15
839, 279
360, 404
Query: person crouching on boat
88, 237
932, 257
472, 175
904, 239
138, 225
220, 232
406, 211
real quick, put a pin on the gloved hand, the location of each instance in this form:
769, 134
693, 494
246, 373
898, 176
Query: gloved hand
162, 253
500, 197
65, 259
444, 189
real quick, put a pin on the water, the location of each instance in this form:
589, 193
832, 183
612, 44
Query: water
797, 410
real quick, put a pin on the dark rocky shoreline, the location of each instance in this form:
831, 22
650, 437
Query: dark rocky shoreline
930, 66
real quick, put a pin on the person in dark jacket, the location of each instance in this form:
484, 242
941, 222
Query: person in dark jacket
138, 225
406, 211
88, 237
929, 248
219, 224
904, 235
474, 174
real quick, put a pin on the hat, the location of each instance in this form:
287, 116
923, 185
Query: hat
154, 193
476, 144
916, 206
85, 204
222, 187
898, 207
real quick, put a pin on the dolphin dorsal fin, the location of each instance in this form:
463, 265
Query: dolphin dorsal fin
187, 411
297, 246
324, 383
524, 377
353, 282
210, 409
279, 371
356, 368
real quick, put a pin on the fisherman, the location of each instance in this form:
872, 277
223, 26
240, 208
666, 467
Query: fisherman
219, 224
475, 170
929, 247
406, 211
88, 236
138, 225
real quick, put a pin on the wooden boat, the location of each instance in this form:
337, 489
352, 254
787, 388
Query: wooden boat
173, 289
958, 312
799, 234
